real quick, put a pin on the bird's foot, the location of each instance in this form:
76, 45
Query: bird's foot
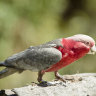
45, 84
69, 78
61, 78
65, 78
72, 78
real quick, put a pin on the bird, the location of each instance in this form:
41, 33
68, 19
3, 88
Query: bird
49, 57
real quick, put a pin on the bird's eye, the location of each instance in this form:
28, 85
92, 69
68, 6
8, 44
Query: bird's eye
87, 43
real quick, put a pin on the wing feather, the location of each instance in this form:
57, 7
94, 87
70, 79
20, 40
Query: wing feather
35, 58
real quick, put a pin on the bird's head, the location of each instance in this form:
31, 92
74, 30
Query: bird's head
87, 40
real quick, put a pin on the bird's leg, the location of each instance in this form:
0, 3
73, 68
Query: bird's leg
40, 80
58, 76
40, 75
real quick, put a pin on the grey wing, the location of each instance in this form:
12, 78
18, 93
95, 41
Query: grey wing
53, 43
35, 58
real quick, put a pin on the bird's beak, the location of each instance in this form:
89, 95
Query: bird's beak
92, 50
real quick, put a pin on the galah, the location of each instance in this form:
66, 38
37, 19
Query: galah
49, 57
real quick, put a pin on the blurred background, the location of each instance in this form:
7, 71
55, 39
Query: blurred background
25, 23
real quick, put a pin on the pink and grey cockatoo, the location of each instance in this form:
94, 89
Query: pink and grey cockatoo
49, 57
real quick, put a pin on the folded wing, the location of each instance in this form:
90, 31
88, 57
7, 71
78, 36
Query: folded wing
34, 58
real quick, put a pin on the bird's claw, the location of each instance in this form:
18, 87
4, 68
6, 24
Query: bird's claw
59, 77
62, 79
73, 78
69, 78
45, 84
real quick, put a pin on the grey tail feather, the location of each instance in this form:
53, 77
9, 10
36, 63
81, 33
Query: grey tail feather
7, 71
2, 64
